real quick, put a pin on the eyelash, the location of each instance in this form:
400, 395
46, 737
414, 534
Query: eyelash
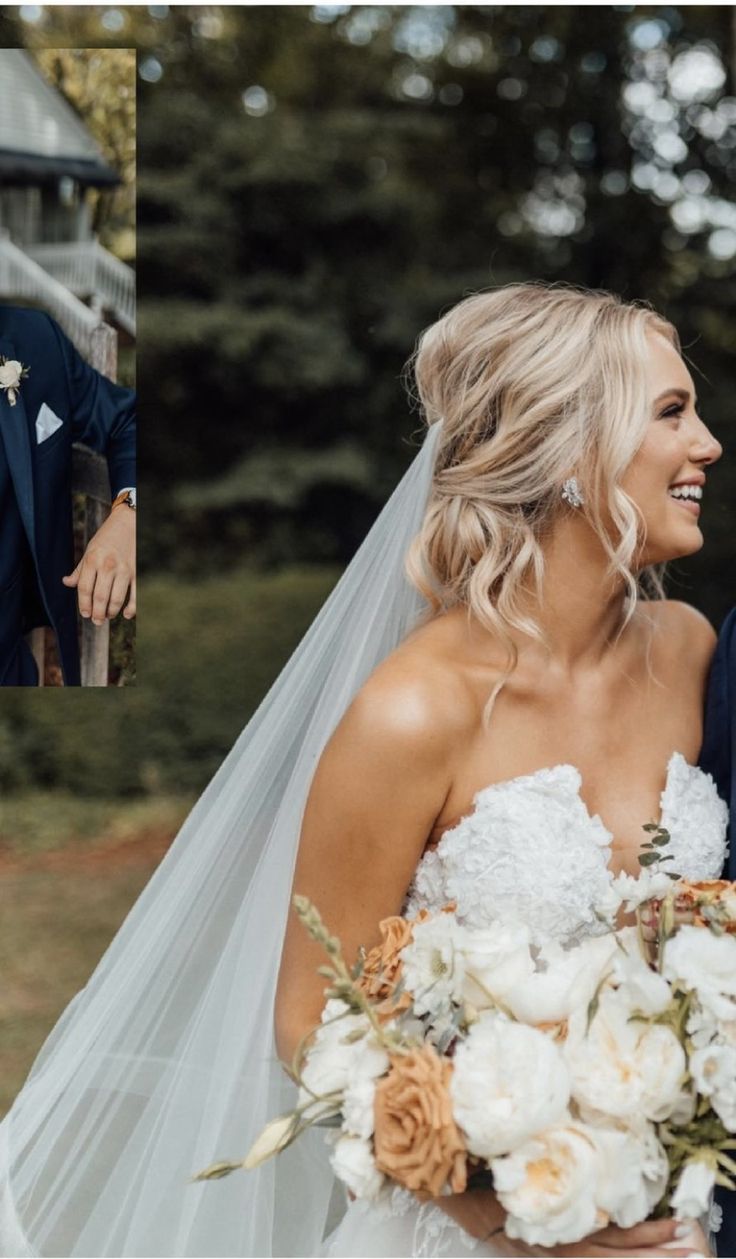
673, 411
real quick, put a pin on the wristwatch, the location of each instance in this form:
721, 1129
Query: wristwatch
127, 496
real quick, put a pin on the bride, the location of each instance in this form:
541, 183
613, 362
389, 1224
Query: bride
498, 738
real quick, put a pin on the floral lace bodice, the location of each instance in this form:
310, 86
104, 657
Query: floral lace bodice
530, 850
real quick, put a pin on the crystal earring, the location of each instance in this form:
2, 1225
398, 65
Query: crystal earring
571, 492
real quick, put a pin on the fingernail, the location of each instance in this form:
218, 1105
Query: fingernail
683, 1229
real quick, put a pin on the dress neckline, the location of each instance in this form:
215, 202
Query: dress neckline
552, 771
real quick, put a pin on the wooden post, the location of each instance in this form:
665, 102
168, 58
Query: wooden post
90, 477
37, 642
103, 350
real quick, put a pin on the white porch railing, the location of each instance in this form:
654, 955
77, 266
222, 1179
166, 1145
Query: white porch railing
89, 270
22, 277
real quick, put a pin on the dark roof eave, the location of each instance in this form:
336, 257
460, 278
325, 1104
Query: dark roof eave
32, 168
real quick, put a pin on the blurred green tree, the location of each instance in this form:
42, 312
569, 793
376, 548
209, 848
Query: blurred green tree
101, 85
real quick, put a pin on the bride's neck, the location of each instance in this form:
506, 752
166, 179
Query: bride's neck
581, 609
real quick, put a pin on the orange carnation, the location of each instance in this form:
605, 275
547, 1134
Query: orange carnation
416, 1141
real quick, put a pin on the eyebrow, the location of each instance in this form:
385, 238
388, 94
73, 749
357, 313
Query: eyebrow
681, 393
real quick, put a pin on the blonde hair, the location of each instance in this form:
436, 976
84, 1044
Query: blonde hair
533, 383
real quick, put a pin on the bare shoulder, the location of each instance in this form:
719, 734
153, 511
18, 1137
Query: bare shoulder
684, 631
411, 705
683, 620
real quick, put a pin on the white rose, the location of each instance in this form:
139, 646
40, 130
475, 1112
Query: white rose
496, 960
353, 1163
10, 374
622, 1067
706, 963
691, 1198
547, 1185
343, 1051
633, 1170
508, 1082
566, 979
713, 1069
434, 964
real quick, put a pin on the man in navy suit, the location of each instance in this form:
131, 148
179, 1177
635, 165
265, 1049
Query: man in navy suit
718, 757
49, 398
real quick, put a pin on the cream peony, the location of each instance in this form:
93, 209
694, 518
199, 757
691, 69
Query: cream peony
573, 1178
565, 979
698, 959
353, 1163
632, 1172
496, 960
344, 1050
622, 1067
547, 1186
691, 1198
509, 1082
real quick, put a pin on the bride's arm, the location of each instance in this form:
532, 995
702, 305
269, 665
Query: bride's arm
378, 788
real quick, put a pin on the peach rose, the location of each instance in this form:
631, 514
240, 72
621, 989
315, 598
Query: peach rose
416, 1139
382, 966
716, 897
382, 969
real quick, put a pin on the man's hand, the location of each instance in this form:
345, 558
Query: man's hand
106, 571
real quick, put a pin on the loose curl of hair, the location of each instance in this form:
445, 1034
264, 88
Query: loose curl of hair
533, 383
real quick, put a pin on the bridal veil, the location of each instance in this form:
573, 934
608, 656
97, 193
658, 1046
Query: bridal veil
165, 1063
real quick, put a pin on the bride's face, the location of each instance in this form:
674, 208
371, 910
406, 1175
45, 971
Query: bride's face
677, 449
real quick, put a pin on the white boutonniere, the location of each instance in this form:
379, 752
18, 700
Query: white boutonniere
11, 374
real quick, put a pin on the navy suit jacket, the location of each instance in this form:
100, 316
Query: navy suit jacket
93, 410
718, 757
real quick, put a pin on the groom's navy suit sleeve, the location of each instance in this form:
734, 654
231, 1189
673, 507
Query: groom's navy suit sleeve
719, 732
102, 414
717, 758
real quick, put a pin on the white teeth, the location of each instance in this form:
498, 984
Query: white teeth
687, 491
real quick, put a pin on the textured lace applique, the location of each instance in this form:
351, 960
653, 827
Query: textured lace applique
530, 850
436, 1233
697, 820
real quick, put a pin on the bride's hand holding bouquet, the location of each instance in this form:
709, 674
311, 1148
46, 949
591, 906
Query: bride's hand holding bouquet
582, 1091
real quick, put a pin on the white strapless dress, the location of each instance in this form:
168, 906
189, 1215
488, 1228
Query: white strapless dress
529, 850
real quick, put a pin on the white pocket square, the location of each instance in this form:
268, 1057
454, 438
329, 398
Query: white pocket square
47, 423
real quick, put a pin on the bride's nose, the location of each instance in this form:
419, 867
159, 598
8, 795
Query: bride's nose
705, 448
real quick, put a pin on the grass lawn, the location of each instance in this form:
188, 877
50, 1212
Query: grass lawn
62, 897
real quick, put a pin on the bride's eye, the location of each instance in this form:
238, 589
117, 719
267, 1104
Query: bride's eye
672, 411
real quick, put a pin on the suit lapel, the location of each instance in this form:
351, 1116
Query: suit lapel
15, 435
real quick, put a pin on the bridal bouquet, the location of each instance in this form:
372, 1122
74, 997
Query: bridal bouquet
588, 1085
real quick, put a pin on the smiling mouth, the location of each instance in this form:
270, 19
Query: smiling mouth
691, 505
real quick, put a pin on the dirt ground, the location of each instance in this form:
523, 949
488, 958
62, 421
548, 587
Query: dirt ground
58, 912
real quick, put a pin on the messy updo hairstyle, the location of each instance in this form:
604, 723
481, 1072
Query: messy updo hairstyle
534, 383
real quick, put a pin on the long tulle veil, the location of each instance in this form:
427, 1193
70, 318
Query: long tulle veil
164, 1062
